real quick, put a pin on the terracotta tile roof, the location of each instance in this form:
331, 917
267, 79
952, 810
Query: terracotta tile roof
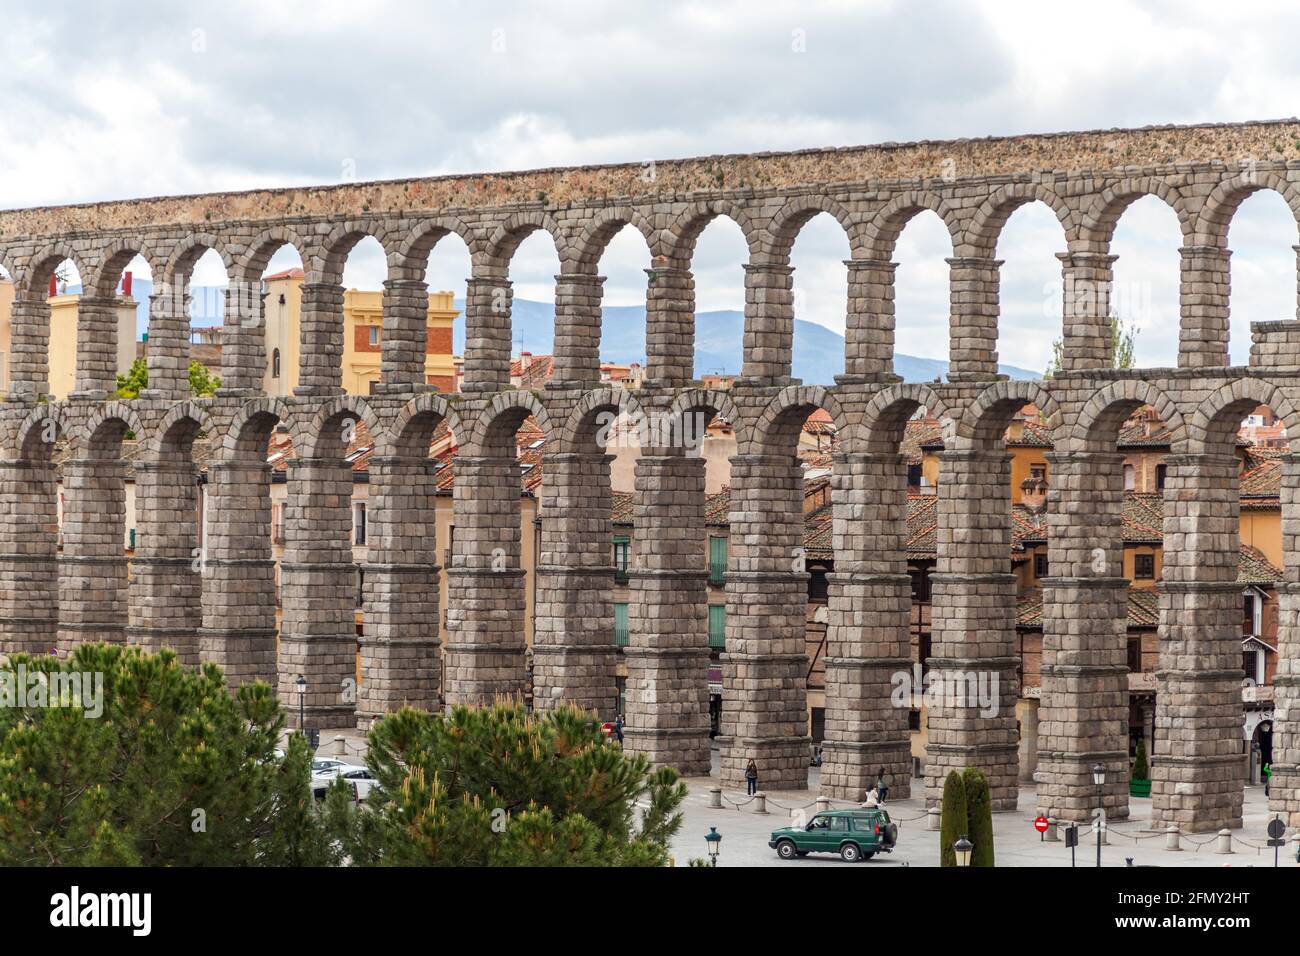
1256, 568
717, 508
1144, 518
922, 526
1143, 608
1262, 478
920, 433
818, 541
620, 508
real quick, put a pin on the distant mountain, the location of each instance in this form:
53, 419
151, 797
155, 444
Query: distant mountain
719, 337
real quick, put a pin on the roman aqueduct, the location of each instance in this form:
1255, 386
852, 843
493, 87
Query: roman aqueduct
221, 608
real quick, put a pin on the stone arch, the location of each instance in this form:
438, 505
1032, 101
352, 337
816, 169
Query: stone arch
327, 435
39, 268
680, 237
103, 432
882, 232
671, 424
582, 427
190, 250
495, 425
338, 245
252, 265
30, 437
413, 429
585, 252
781, 421
986, 418
1098, 424
250, 431
175, 433
1221, 205
887, 414
991, 218
1099, 221
1214, 424
7, 264
414, 250
507, 236
113, 260
798, 211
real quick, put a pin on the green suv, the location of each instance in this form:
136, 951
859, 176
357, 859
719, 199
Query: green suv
853, 834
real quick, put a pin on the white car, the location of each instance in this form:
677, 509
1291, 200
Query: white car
361, 780
329, 766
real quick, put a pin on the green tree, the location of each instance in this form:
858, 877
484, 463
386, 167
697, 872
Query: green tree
979, 816
1123, 344
202, 382
162, 766
1140, 769
497, 786
135, 381
952, 819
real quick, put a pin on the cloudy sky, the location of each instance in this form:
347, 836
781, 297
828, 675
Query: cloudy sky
116, 101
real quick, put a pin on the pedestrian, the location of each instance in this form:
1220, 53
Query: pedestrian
873, 799
751, 777
618, 729
882, 784
1267, 773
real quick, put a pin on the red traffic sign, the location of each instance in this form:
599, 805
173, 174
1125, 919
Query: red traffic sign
1041, 824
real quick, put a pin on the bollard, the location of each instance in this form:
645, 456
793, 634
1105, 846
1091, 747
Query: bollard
1052, 835
934, 818
340, 746
1225, 841
760, 802
715, 798
1171, 837
823, 804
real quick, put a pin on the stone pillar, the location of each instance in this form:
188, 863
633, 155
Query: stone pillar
487, 334
867, 636
573, 644
973, 323
238, 574
869, 329
769, 323
670, 327
972, 722
92, 568
667, 655
1203, 293
29, 367
96, 376
320, 324
318, 588
168, 355
1083, 717
1086, 280
577, 330
243, 339
165, 589
1284, 788
1198, 770
404, 345
29, 593
765, 668
485, 585
400, 665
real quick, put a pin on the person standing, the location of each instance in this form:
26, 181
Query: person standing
751, 777
618, 729
882, 784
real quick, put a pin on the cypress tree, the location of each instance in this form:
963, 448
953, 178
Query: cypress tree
952, 819
979, 815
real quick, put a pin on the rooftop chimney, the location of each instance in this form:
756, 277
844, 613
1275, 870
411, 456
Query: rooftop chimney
1033, 493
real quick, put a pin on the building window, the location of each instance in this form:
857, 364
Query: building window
620, 623
1130, 478
275, 364
718, 627
622, 552
1135, 656
358, 523
374, 335
1040, 565
1252, 663
277, 524
361, 586
1252, 608
914, 476
1038, 471
1160, 477
818, 585
920, 585
1144, 567
717, 560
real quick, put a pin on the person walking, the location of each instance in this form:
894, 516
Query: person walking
882, 784
751, 777
618, 729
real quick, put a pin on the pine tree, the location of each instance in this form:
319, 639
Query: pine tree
979, 816
1140, 768
952, 820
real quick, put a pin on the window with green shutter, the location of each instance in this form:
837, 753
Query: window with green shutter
718, 627
622, 552
620, 624
717, 560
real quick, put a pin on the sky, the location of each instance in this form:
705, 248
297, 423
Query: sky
110, 101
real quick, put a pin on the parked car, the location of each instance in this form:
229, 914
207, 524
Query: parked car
857, 834
360, 779
328, 766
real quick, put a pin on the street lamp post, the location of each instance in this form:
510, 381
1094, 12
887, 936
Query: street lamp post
961, 850
714, 840
1099, 778
300, 685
